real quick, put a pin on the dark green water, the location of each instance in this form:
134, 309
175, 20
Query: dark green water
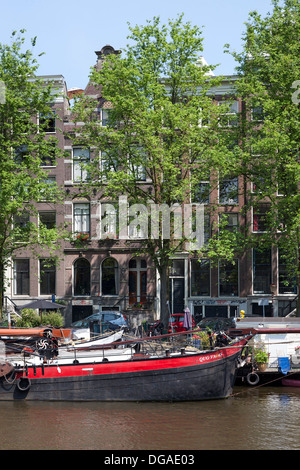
253, 419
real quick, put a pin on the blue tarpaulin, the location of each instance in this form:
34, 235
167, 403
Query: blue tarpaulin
284, 364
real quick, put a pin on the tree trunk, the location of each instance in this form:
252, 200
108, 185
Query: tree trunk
1, 290
164, 295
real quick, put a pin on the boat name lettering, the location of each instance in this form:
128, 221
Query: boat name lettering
210, 356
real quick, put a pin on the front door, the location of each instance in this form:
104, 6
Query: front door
177, 293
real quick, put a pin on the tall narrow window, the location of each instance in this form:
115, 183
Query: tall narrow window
81, 158
109, 276
287, 279
81, 218
82, 277
137, 281
228, 278
47, 277
228, 191
262, 273
200, 277
47, 122
21, 277
48, 219
261, 215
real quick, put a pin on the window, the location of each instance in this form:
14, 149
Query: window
260, 217
201, 192
137, 162
47, 122
47, 191
229, 190
21, 153
228, 278
109, 221
49, 158
21, 277
200, 277
109, 276
48, 219
47, 277
232, 221
81, 158
81, 218
137, 284
262, 274
257, 113
109, 162
104, 116
82, 277
229, 118
287, 280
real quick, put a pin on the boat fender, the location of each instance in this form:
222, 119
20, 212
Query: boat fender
23, 384
252, 378
105, 359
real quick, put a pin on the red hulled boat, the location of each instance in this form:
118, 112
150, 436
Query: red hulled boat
103, 376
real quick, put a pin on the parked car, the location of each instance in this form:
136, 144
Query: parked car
97, 323
176, 323
217, 323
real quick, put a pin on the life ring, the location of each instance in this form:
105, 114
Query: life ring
23, 384
252, 378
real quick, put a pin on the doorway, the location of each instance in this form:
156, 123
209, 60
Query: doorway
177, 286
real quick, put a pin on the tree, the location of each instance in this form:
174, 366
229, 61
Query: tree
269, 131
162, 136
25, 112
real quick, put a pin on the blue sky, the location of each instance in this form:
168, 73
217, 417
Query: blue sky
70, 31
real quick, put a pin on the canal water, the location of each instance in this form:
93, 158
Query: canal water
259, 418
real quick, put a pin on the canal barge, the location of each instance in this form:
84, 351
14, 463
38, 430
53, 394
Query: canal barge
165, 376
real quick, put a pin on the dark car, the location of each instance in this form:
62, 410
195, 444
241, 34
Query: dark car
217, 323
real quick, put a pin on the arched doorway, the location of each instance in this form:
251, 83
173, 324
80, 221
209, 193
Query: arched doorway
82, 277
109, 277
137, 281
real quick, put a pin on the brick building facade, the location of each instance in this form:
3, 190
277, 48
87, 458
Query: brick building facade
106, 274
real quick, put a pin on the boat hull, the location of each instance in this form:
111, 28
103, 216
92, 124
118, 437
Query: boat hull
203, 376
290, 382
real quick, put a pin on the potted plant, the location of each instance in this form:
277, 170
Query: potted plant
261, 358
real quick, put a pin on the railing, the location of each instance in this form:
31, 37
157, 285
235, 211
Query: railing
144, 302
287, 309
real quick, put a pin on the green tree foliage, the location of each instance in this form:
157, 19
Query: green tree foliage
269, 129
24, 115
163, 133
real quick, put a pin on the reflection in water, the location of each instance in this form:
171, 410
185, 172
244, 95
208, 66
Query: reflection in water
262, 418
